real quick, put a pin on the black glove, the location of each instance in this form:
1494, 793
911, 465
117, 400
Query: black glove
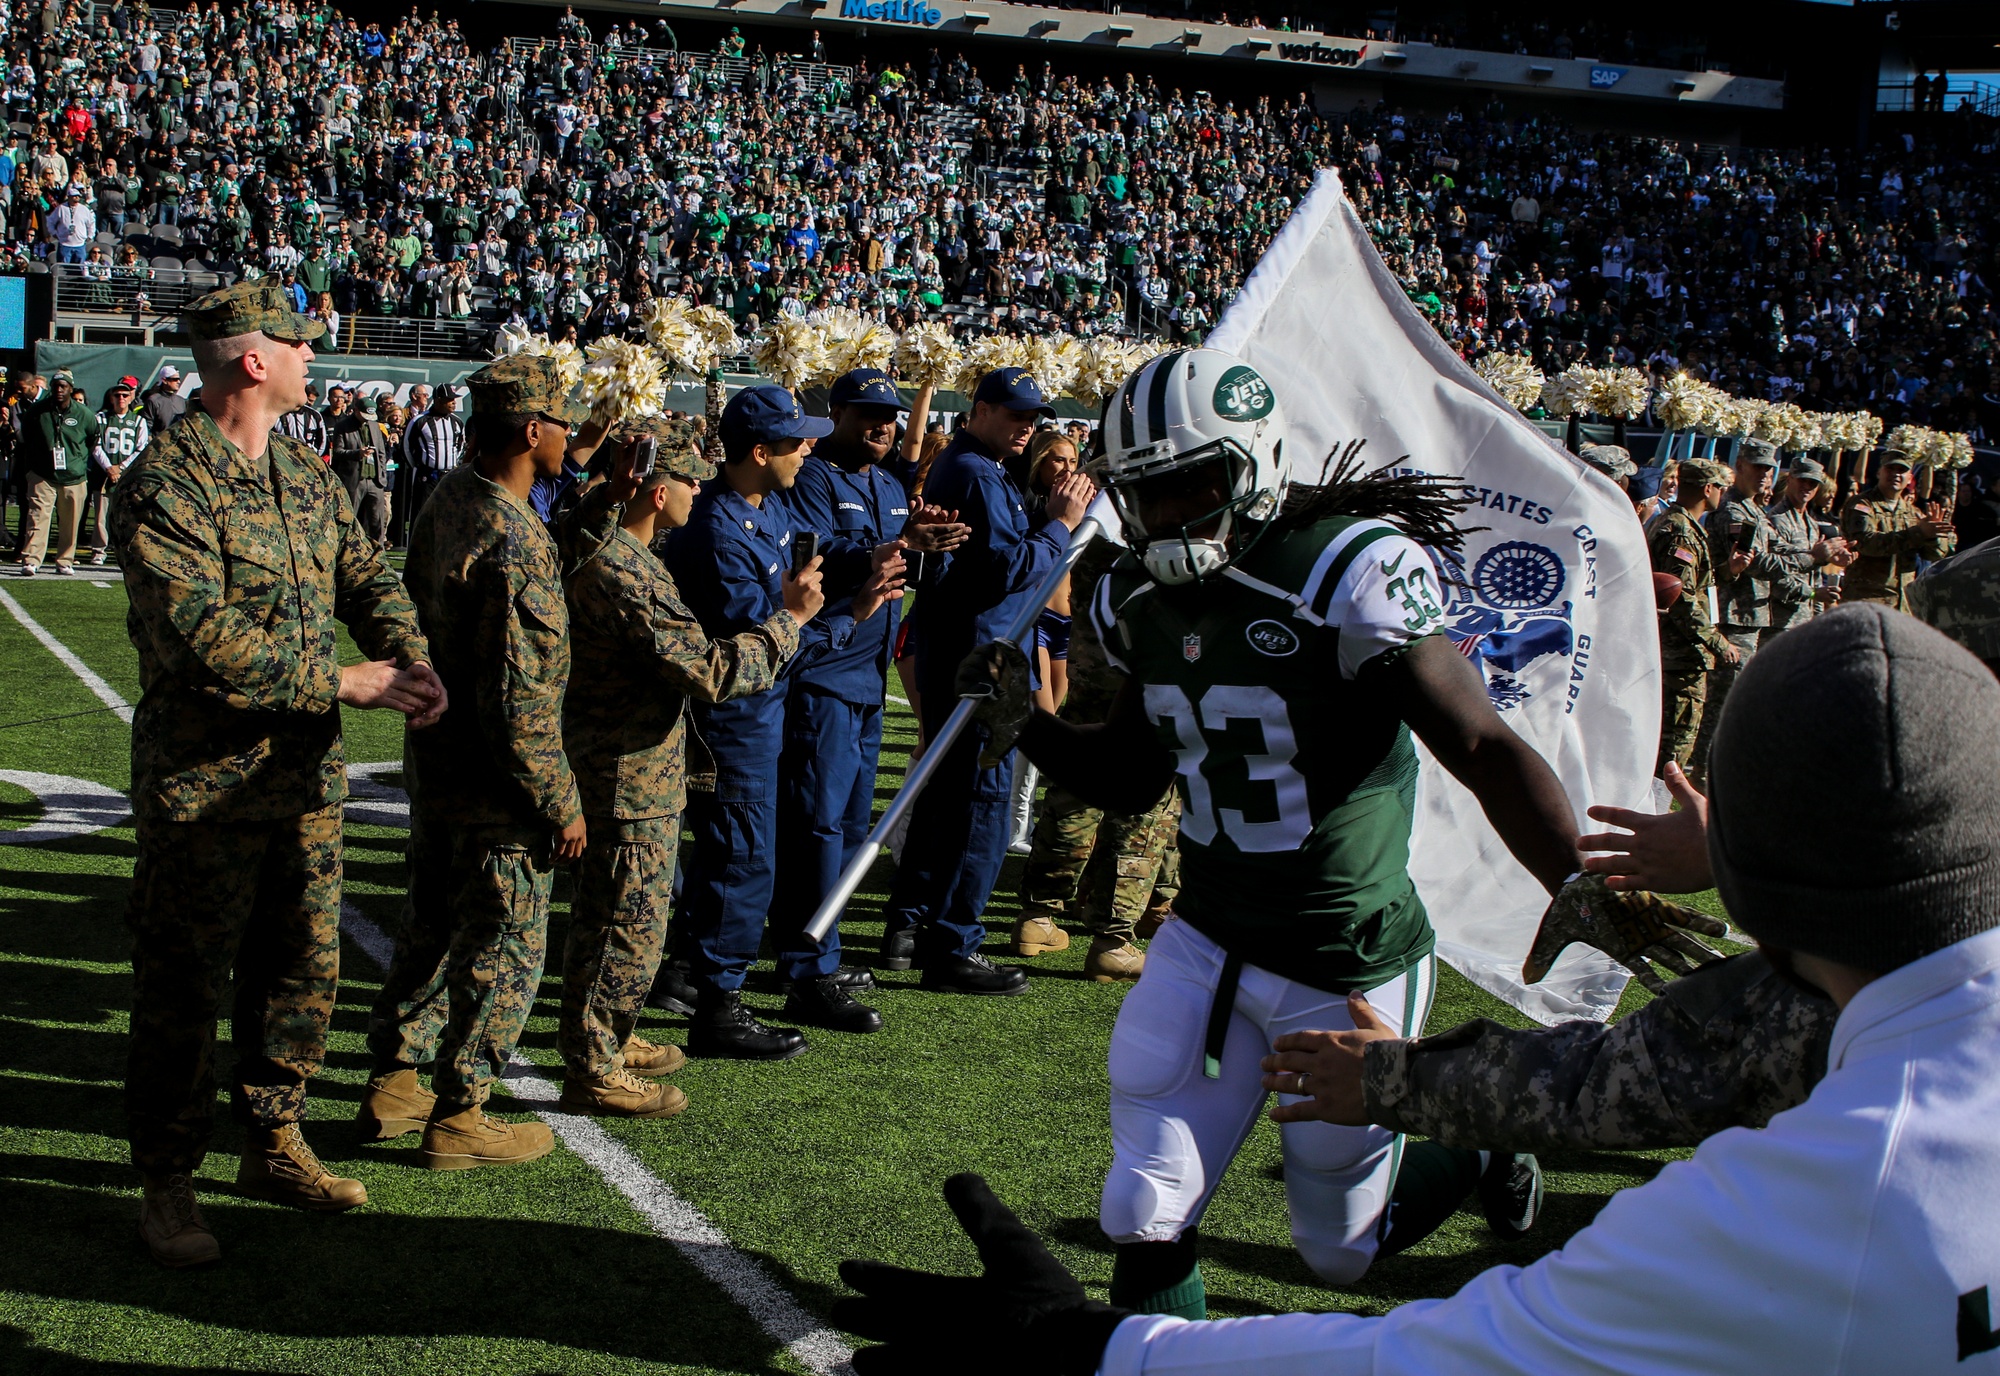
996, 676
1026, 1314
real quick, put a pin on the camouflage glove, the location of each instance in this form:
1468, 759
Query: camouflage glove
996, 677
1628, 927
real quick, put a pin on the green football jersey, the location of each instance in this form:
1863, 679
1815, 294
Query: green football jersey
122, 437
1298, 785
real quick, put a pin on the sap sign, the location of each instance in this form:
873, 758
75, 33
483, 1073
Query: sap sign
1604, 78
892, 11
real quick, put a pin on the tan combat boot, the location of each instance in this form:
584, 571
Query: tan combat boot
1112, 959
278, 1165
466, 1139
171, 1225
644, 1058
1149, 926
394, 1105
620, 1094
1034, 935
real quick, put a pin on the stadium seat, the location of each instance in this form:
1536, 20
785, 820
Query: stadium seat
165, 264
168, 234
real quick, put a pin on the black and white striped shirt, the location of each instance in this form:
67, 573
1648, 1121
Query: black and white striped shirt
307, 425
435, 442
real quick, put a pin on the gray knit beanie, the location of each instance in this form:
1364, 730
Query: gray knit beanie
1854, 791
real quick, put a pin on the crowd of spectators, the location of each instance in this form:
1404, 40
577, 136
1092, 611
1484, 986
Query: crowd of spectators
557, 184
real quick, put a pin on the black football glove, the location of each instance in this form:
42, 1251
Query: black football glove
1027, 1314
996, 676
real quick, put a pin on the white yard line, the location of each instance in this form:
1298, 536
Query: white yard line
818, 1348
106, 694
904, 702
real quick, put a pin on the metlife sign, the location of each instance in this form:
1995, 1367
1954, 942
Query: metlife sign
892, 12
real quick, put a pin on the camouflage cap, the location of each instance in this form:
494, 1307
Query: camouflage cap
1896, 458
260, 304
1961, 597
1700, 472
1614, 461
521, 384
680, 445
1758, 453
1809, 469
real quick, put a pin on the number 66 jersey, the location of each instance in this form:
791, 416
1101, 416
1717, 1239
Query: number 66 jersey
1298, 783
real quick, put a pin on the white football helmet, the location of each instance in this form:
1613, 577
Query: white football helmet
1188, 410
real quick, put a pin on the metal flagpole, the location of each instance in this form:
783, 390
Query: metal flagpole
1097, 520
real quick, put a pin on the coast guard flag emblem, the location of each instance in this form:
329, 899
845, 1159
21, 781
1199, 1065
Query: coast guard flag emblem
1552, 602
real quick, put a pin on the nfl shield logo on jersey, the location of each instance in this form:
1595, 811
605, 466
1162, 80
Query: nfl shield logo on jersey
1190, 648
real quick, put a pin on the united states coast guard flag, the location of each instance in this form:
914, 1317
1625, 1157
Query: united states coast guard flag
1553, 602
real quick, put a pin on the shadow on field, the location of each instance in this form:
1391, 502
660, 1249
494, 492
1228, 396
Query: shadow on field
290, 1274
20, 1356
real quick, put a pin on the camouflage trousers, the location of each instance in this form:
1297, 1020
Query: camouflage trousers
469, 954
617, 933
259, 898
1720, 680
1108, 871
1682, 692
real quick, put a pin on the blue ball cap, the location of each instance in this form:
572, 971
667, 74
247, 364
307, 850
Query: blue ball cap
766, 412
1014, 389
864, 387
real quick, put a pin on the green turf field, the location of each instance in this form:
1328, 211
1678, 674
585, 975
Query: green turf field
546, 1268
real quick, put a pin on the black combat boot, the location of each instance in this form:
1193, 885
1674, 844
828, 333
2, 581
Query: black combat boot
722, 1028
825, 1002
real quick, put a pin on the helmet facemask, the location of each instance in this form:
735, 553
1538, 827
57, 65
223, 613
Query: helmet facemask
1186, 549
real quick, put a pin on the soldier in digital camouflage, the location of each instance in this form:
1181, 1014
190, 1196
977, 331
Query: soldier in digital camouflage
241, 559
640, 658
494, 806
1730, 1045
1690, 644
1115, 874
1889, 533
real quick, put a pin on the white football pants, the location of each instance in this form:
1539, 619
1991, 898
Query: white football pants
1174, 1131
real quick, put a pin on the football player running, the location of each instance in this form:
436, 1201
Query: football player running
1282, 644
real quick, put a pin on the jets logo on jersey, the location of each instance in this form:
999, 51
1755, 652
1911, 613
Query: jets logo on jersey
1270, 638
1241, 394
1190, 648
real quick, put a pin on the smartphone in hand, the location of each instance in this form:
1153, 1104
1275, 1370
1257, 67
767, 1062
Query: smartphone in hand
805, 549
646, 453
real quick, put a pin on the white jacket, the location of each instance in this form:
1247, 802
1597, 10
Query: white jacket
1857, 1233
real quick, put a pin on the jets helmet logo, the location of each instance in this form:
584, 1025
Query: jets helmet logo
1242, 394
1190, 648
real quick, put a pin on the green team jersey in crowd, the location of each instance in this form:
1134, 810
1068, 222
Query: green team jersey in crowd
1298, 785
120, 438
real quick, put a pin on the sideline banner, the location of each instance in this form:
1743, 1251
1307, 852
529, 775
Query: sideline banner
1553, 602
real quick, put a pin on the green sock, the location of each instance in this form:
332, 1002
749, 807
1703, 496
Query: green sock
1430, 1185
1159, 1278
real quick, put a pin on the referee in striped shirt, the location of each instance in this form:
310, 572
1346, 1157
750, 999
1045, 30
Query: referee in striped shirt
308, 426
433, 446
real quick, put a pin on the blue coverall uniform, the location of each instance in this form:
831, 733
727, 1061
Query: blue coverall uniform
958, 835
833, 713
729, 564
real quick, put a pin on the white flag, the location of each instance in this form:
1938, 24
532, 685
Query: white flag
1555, 601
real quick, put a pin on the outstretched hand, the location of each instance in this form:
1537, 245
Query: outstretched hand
1666, 852
995, 675
1634, 929
1326, 1067
1025, 1313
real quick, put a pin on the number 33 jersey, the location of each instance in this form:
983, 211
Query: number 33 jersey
1298, 784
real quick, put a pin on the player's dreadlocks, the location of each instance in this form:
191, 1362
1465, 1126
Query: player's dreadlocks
1423, 506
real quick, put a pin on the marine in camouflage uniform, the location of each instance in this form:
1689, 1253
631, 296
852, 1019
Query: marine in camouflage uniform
490, 787
641, 657
239, 571
1125, 870
1884, 526
1689, 643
